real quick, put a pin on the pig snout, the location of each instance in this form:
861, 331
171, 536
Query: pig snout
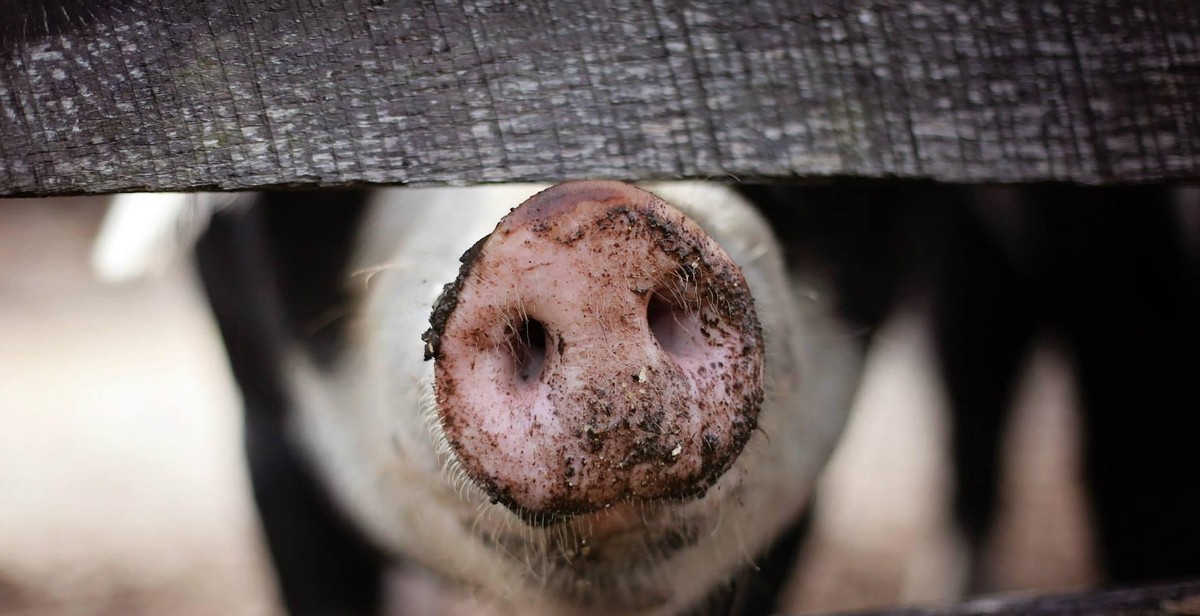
597, 347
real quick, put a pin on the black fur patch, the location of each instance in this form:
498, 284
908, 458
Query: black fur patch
263, 272
309, 238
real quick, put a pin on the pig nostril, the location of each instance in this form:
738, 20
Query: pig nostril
641, 385
670, 324
527, 343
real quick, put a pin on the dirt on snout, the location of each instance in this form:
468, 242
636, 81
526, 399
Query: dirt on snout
626, 405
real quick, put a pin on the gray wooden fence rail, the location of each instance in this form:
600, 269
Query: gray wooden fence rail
119, 95
1179, 599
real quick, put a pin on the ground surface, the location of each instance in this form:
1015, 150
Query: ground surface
122, 490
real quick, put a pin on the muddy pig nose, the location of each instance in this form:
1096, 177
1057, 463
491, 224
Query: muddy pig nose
597, 347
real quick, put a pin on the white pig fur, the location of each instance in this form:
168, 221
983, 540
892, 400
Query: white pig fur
371, 428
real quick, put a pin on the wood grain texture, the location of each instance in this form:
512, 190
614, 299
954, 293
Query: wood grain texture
236, 94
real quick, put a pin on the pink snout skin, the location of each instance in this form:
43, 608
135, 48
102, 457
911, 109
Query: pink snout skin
597, 348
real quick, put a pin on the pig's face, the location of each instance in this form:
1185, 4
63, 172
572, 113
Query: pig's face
650, 437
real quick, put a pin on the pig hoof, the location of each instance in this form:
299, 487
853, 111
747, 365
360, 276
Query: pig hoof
598, 347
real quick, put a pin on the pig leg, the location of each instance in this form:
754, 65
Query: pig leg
1106, 267
984, 318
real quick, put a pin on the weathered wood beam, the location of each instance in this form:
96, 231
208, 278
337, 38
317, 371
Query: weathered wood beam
1179, 599
234, 94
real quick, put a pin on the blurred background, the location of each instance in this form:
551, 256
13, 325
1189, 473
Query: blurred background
122, 490
122, 487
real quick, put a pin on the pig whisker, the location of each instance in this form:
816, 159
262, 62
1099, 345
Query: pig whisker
717, 522
565, 537
367, 274
739, 539
511, 329
494, 538
714, 301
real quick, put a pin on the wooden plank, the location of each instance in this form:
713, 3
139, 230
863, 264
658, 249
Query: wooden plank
119, 95
1178, 599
